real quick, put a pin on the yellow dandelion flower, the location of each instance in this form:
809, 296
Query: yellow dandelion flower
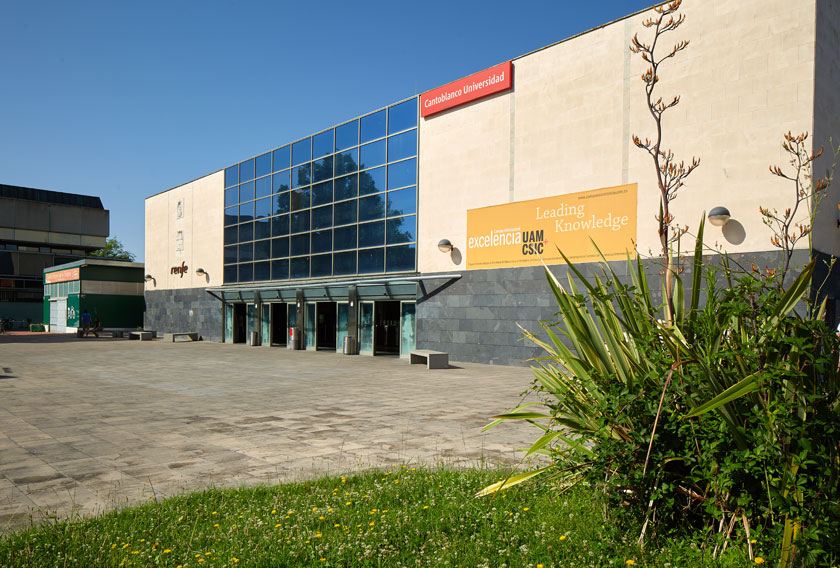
216, 524
198, 556
526, 508
321, 518
630, 562
371, 523
240, 516
214, 513
337, 525
759, 560
274, 511
200, 560
330, 510
314, 509
539, 566
166, 551
142, 540
234, 560
277, 525
207, 554
319, 535
562, 537
396, 481
348, 502
125, 545
135, 552
753, 541
322, 559
425, 506
113, 546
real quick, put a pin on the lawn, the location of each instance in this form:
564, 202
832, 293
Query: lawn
403, 516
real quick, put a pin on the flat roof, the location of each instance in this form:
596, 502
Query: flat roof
94, 262
49, 196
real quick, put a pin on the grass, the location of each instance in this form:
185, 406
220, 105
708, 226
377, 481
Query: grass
399, 517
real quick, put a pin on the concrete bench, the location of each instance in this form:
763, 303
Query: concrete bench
432, 359
141, 335
191, 335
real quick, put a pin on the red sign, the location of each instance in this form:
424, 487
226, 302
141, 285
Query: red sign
62, 275
476, 86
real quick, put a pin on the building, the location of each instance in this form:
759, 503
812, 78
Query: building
426, 223
110, 290
39, 229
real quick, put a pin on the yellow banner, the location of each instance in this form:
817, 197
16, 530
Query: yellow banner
519, 234
61, 275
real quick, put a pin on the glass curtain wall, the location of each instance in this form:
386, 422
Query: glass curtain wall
341, 202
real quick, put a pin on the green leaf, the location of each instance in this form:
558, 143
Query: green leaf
739, 389
511, 481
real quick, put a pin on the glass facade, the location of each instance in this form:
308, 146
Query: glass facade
342, 202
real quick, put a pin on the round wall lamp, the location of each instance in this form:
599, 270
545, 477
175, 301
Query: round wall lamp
148, 278
719, 216
201, 271
444, 245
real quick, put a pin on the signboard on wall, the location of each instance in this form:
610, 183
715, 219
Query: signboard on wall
522, 233
476, 86
61, 275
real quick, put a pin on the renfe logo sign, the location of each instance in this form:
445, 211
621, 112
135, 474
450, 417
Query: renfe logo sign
476, 86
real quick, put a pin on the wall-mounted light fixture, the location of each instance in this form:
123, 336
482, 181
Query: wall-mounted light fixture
444, 245
150, 278
719, 216
201, 271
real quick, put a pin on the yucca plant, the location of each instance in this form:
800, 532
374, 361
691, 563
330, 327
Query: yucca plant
723, 417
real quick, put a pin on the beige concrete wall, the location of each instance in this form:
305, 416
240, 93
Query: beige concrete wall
200, 224
747, 78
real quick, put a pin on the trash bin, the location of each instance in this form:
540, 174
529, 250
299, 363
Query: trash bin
255, 338
349, 345
294, 338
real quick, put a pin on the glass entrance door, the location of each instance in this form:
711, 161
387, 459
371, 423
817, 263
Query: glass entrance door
228, 323
309, 319
341, 331
366, 328
265, 324
407, 328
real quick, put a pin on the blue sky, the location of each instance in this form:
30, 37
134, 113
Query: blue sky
127, 99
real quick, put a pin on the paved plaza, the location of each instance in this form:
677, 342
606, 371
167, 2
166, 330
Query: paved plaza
87, 425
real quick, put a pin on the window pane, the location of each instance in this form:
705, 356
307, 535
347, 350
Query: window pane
402, 173
322, 193
347, 161
372, 207
262, 187
300, 199
347, 135
372, 154
281, 202
246, 232
230, 274
400, 259
246, 191
373, 126
402, 116
231, 196
345, 212
246, 252
262, 165
322, 169
281, 181
263, 207
246, 170
232, 175
322, 217
321, 241
231, 235
262, 250
232, 215
345, 238
231, 254
402, 202
262, 229
371, 261
371, 234
402, 146
299, 267
282, 158
346, 187
262, 271
322, 265
301, 175
299, 245
344, 263
246, 212
280, 247
246, 272
322, 144
280, 269
372, 181
301, 151
300, 221
280, 226
401, 230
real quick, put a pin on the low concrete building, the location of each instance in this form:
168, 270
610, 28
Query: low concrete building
39, 229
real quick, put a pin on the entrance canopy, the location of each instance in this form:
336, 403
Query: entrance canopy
404, 288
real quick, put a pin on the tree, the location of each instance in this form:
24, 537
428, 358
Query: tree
114, 249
